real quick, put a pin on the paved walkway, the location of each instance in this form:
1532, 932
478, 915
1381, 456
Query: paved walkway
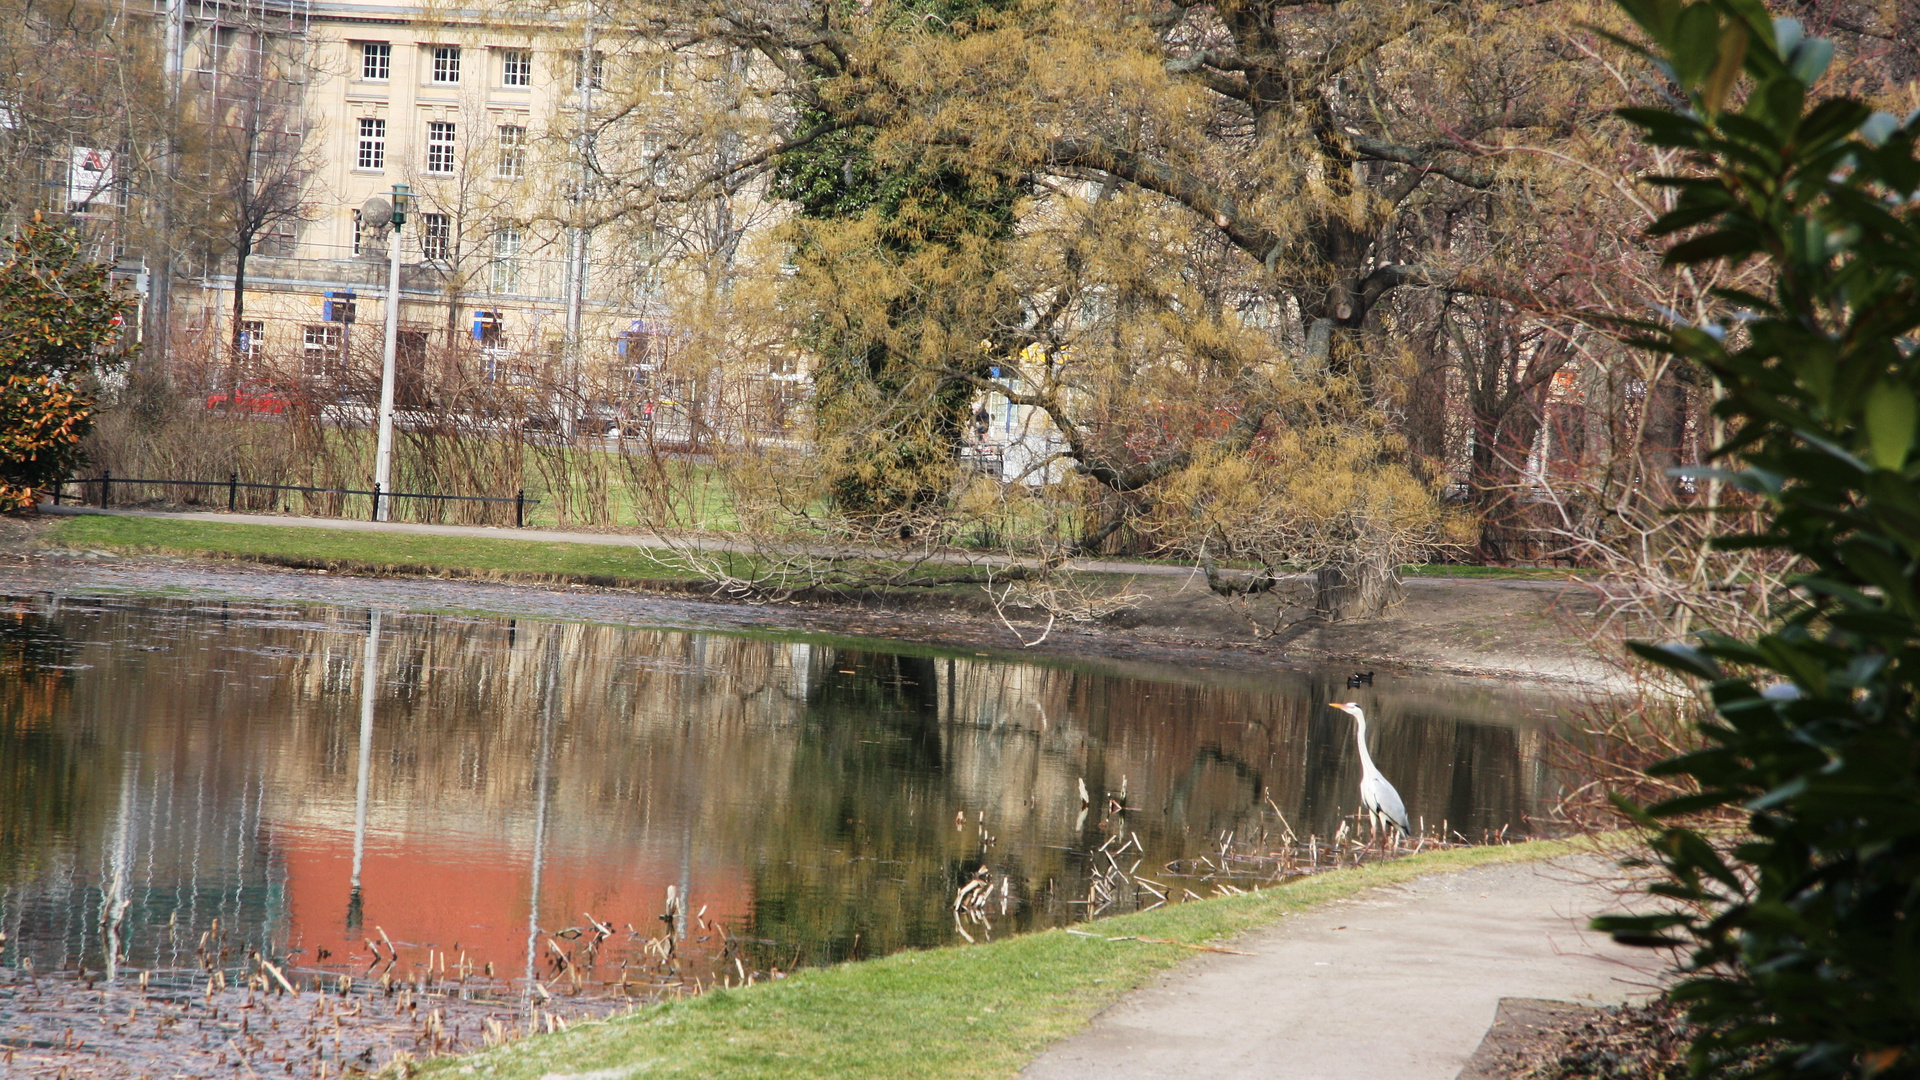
1401, 982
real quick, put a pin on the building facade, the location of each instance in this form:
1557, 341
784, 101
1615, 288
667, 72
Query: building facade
483, 120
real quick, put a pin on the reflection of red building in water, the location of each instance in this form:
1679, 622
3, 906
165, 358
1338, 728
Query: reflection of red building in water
454, 897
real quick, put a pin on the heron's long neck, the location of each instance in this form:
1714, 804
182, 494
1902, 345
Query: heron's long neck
1360, 737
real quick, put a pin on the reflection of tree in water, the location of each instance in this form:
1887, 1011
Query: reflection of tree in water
869, 803
41, 773
811, 787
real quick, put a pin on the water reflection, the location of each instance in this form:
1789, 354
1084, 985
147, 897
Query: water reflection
474, 787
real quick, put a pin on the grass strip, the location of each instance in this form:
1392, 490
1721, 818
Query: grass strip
485, 558
378, 552
961, 1012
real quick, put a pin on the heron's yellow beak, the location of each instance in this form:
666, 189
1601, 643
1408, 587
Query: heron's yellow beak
1333, 704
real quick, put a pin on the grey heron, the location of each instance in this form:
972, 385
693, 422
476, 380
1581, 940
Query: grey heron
1377, 797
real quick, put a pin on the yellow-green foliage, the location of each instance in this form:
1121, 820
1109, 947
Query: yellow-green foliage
1303, 498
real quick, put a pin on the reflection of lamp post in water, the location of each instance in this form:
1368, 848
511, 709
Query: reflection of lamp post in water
113, 899
369, 685
383, 452
549, 710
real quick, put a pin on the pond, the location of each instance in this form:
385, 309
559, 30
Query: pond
191, 788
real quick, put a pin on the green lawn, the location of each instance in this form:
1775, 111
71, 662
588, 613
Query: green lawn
345, 549
965, 1012
472, 556
398, 552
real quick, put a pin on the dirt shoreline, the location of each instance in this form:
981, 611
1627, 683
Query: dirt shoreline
1517, 630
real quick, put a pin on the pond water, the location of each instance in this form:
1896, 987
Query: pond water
484, 799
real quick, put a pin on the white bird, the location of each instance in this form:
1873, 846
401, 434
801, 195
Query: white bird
1381, 802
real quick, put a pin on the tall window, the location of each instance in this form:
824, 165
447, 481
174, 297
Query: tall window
506, 261
650, 276
589, 70
373, 144
516, 68
319, 349
376, 61
513, 151
436, 237
280, 240
359, 229
219, 43
253, 338
446, 64
653, 153
440, 147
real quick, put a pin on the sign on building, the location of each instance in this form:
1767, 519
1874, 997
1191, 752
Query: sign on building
90, 180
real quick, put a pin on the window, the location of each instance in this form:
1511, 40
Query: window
516, 68
373, 144
660, 76
376, 61
652, 283
279, 240
446, 64
513, 151
589, 72
653, 153
253, 338
440, 147
650, 278
506, 261
436, 236
320, 348
219, 44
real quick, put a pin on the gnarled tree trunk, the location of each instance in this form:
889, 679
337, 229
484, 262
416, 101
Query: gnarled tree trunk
1364, 586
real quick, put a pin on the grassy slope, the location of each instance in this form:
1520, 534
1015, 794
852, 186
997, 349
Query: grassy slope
962, 1012
483, 557
299, 545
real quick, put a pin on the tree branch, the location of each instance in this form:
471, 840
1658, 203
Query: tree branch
1425, 159
1183, 187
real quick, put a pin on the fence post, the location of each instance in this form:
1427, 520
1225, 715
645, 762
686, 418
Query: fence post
376, 502
520, 509
233, 491
106, 488
57, 485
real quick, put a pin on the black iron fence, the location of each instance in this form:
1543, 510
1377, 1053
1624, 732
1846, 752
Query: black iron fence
234, 485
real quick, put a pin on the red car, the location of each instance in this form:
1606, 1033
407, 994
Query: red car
251, 397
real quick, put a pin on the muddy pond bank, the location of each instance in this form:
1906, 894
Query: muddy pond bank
1533, 631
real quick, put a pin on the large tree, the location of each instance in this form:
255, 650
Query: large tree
248, 153
1217, 203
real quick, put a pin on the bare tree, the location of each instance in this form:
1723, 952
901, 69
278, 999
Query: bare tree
250, 156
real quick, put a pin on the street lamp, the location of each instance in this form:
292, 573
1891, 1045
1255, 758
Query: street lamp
383, 452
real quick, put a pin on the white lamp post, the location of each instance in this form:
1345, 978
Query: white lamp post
383, 452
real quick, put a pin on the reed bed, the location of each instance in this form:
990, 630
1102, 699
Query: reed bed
332, 1016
